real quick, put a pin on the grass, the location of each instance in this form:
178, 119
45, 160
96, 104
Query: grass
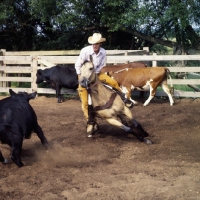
23, 85
3, 94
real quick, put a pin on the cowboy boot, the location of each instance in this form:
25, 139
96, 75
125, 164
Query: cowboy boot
128, 103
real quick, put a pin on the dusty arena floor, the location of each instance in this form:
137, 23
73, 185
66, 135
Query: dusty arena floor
112, 165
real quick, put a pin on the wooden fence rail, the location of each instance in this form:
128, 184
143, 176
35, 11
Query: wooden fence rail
27, 63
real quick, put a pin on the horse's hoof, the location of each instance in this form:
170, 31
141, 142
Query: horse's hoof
46, 145
90, 135
129, 104
147, 141
145, 134
92, 129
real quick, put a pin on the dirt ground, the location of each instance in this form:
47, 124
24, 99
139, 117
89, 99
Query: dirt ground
111, 165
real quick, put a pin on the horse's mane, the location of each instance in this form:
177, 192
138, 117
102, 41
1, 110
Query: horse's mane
85, 62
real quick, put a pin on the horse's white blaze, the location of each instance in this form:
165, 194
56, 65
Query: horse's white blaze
85, 72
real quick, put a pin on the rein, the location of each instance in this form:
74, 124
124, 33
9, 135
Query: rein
91, 109
95, 83
108, 104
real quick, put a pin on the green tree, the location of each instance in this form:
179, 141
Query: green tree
127, 24
17, 26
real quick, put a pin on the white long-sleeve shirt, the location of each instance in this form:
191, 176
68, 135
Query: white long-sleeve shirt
99, 60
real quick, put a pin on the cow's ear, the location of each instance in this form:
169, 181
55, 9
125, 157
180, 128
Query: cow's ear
32, 95
109, 73
11, 92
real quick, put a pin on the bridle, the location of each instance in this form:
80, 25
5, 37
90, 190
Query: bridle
92, 84
89, 86
107, 105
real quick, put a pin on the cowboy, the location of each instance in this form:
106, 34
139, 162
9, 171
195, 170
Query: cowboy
99, 61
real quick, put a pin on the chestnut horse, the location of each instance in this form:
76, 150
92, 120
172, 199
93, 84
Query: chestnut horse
106, 104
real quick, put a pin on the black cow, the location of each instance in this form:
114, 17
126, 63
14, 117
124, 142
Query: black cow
17, 121
58, 77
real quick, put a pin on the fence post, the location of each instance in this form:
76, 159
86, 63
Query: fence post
2, 53
154, 62
146, 49
126, 54
34, 64
147, 53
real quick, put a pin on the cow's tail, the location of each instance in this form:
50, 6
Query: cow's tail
171, 84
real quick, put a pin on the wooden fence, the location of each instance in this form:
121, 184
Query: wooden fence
27, 64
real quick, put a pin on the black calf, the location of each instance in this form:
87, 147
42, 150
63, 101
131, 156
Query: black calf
17, 121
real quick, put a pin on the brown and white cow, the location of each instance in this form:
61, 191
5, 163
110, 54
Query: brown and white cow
143, 79
114, 68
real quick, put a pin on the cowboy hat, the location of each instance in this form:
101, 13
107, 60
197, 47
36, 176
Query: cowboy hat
96, 38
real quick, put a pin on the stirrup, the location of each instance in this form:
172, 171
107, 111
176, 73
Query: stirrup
128, 103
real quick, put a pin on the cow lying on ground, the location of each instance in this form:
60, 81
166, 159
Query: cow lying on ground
143, 79
114, 68
58, 77
17, 121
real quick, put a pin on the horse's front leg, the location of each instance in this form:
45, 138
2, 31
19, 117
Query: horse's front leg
92, 128
138, 126
123, 120
127, 129
134, 125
